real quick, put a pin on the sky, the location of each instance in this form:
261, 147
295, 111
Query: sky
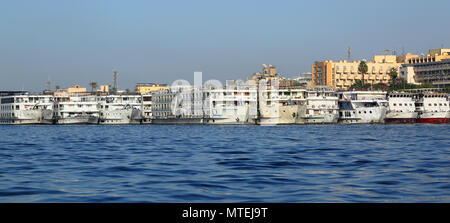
82, 41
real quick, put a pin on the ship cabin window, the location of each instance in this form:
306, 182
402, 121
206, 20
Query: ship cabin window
440, 104
395, 104
400, 104
435, 104
17, 107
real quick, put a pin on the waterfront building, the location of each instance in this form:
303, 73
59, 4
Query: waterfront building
432, 68
145, 88
104, 90
428, 69
268, 72
71, 91
342, 74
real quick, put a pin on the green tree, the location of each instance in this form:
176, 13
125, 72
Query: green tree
393, 74
363, 68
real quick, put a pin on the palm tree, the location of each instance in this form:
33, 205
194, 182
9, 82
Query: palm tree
93, 86
363, 69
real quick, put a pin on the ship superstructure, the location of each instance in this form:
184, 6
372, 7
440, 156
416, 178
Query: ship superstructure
402, 108
362, 107
321, 106
23, 108
75, 110
433, 108
118, 109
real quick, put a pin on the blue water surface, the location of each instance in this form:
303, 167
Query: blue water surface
157, 163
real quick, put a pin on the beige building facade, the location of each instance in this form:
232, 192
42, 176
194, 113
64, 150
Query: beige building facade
145, 88
433, 68
342, 74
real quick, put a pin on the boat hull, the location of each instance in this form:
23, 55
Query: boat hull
400, 120
74, 120
434, 120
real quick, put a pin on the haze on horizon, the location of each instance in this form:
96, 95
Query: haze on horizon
77, 42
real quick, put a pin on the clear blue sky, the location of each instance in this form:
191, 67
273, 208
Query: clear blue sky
80, 41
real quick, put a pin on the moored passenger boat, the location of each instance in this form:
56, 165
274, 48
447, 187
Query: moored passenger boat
231, 106
23, 108
75, 110
433, 108
321, 106
283, 106
118, 109
402, 108
362, 107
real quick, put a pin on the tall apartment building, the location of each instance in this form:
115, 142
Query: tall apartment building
342, 74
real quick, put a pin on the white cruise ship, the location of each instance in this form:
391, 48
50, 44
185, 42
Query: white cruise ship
75, 110
401, 108
362, 107
146, 109
117, 109
23, 108
236, 105
177, 107
282, 106
433, 108
321, 105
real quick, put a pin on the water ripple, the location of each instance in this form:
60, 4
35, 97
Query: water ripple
157, 163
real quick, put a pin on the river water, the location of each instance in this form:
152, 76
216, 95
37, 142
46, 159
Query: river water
183, 163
